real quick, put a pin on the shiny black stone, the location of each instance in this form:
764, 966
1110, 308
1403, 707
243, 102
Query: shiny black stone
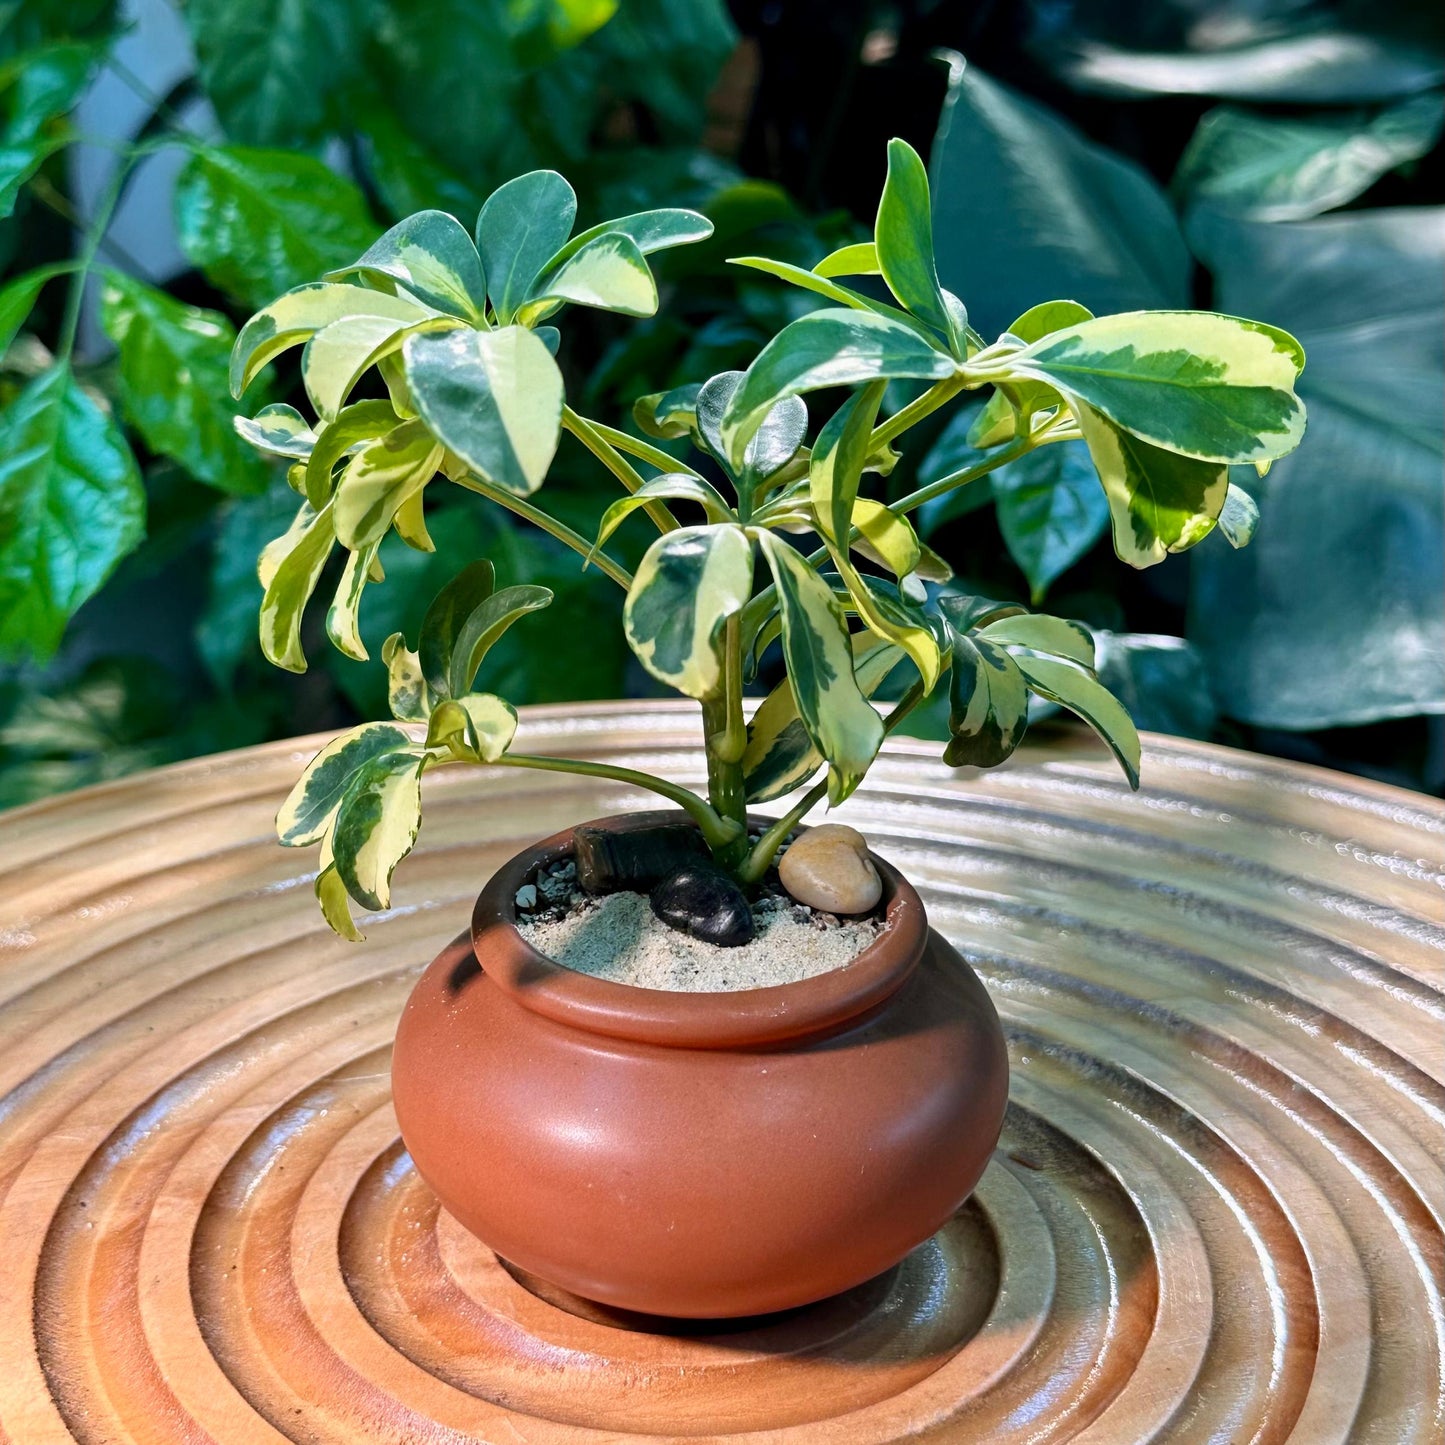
701, 900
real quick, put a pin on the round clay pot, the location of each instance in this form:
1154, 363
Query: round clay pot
691, 1154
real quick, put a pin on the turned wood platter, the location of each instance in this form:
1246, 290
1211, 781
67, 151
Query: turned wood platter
1215, 1213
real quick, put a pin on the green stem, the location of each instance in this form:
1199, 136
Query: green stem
643, 450
936, 396
591, 438
766, 848
717, 831
964, 476
560, 530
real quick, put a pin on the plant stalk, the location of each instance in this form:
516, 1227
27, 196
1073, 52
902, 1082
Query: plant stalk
596, 443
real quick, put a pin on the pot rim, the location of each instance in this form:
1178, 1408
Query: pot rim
734, 1019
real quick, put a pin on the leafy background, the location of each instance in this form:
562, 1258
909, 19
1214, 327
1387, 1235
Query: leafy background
1277, 158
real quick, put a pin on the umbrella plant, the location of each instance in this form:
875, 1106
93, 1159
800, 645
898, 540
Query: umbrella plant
459, 331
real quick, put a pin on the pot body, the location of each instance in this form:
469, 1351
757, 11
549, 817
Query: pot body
699, 1155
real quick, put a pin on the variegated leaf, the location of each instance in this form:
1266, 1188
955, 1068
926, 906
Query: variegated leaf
337, 357
379, 478
410, 523
445, 618
780, 755
688, 583
279, 430
293, 579
432, 256
885, 612
964, 612
311, 806
406, 691
889, 540
988, 704
492, 397
377, 825
343, 616
609, 273
361, 422
1211, 387
831, 347
477, 727
667, 414
335, 905
671, 487
301, 313
487, 623
820, 285
1010, 408
1159, 501
836, 465
1077, 690
1238, 517
843, 725
650, 230
1039, 633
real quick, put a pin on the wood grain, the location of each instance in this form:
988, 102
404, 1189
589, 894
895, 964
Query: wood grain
1215, 1215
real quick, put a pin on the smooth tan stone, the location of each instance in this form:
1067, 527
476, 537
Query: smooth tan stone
829, 868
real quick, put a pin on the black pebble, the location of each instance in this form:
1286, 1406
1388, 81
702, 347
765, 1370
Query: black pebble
701, 900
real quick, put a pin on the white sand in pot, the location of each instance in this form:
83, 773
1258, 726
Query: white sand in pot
619, 938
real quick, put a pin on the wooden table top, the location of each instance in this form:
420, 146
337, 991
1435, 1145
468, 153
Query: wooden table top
1217, 1212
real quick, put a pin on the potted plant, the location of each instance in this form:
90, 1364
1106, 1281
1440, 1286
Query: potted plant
747, 1138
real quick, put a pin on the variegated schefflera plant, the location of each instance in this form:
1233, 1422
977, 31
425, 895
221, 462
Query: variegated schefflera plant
1166, 402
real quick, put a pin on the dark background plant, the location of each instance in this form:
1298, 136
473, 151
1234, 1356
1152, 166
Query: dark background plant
1128, 154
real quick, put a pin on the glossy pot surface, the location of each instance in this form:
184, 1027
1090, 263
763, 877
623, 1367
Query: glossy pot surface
699, 1155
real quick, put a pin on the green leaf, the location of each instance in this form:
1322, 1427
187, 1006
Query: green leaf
273, 68
377, 826
445, 618
492, 397
1070, 687
667, 414
819, 285
485, 626
1050, 510
903, 238
407, 693
521, 226
258, 222
342, 619
1025, 206
780, 755
279, 430
312, 805
1161, 681
772, 445
360, 422
172, 372
1284, 168
670, 486
964, 612
988, 704
1331, 617
608, 273
379, 478
686, 586
842, 724
836, 466
1159, 502
433, 257
1039, 633
1206, 386
300, 314
71, 506
477, 727
1238, 517
289, 575
826, 348
859, 259
19, 295
36, 88
338, 356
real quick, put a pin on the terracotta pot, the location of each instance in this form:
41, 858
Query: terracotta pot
699, 1155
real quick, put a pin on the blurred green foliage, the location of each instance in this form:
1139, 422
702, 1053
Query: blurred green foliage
1126, 152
